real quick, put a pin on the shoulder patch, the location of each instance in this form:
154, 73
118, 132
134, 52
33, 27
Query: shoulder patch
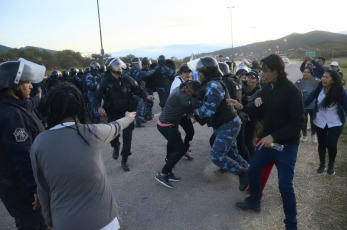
20, 135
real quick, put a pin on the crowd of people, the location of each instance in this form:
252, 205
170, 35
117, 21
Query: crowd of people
52, 128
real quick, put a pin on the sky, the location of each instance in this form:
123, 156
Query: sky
132, 24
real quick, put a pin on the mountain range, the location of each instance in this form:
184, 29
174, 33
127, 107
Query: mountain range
294, 46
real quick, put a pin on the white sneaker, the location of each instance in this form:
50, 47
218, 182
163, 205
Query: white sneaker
314, 139
303, 138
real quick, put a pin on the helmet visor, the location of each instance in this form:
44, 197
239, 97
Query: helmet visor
117, 65
195, 65
29, 71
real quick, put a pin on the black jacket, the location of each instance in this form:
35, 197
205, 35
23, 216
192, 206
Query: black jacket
282, 111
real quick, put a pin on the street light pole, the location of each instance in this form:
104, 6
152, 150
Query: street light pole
102, 48
231, 27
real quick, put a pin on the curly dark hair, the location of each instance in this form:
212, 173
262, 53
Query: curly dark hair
335, 93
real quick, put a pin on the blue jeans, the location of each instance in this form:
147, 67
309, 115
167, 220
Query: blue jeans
285, 162
140, 109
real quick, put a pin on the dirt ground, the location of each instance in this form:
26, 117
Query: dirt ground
204, 199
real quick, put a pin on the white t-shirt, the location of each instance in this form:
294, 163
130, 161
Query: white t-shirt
326, 116
177, 82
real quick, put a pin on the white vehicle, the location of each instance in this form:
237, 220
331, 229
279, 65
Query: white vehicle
285, 60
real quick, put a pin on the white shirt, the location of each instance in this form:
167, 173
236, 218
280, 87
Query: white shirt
326, 116
177, 82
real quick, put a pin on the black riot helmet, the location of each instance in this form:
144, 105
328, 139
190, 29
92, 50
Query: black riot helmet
73, 71
13, 73
136, 60
87, 70
146, 61
206, 65
224, 68
102, 69
56, 75
65, 74
161, 60
80, 72
94, 67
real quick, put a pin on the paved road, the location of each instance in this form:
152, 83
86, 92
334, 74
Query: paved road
201, 200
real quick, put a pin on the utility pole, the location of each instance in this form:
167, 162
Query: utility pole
231, 27
102, 48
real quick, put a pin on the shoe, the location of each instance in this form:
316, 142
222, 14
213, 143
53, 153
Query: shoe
139, 125
115, 153
314, 139
125, 167
188, 156
331, 170
246, 207
172, 177
143, 121
303, 138
221, 171
321, 169
163, 179
243, 177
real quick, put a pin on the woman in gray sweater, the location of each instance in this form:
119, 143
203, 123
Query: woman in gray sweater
68, 165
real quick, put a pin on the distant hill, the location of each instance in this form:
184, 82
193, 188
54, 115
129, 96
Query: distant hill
48, 50
294, 46
4, 48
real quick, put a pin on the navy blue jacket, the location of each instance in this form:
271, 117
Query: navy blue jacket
341, 107
318, 70
17, 133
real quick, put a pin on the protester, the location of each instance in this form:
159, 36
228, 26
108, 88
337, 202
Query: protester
19, 128
68, 165
283, 113
329, 116
317, 66
335, 66
306, 84
182, 101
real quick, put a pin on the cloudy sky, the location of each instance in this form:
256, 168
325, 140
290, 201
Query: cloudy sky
132, 24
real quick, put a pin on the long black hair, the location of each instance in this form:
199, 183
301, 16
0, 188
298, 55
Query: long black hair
65, 101
335, 93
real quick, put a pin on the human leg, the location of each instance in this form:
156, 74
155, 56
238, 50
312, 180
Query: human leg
332, 139
321, 135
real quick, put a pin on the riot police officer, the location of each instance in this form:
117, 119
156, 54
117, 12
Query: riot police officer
54, 78
139, 75
92, 81
149, 88
117, 92
222, 118
163, 79
74, 78
19, 127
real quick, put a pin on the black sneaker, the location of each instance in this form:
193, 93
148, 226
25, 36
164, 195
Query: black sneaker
115, 154
125, 167
139, 125
321, 169
188, 156
163, 179
246, 207
172, 177
243, 177
331, 171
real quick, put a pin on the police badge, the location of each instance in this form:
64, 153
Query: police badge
20, 135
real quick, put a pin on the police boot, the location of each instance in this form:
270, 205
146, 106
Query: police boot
124, 164
243, 179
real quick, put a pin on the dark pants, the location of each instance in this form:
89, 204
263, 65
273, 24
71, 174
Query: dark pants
249, 136
19, 206
127, 137
175, 147
161, 92
188, 128
285, 162
327, 139
148, 104
304, 129
241, 145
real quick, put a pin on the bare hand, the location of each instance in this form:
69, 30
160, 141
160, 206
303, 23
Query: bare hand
102, 112
36, 204
131, 115
309, 59
191, 116
150, 98
258, 101
266, 141
234, 103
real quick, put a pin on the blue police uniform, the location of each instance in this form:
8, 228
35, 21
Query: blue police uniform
92, 85
226, 125
163, 80
149, 89
19, 127
139, 75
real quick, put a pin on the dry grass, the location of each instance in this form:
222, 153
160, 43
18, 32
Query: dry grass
321, 199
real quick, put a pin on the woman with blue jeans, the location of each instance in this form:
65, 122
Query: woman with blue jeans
280, 106
329, 115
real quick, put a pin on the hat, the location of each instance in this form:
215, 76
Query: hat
227, 58
254, 73
183, 69
334, 63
